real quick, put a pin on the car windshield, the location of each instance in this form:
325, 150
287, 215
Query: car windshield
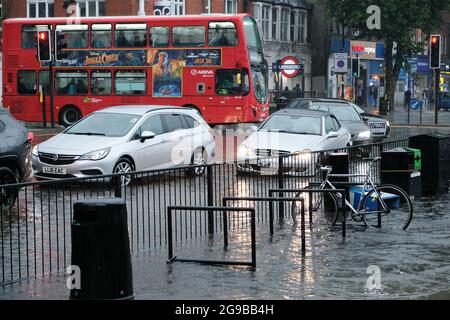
358, 108
344, 113
293, 124
104, 124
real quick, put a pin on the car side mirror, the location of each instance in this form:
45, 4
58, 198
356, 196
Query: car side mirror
332, 135
147, 135
365, 119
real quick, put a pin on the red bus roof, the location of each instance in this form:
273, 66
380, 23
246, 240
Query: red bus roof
110, 19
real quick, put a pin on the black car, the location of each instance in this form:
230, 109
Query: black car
15, 156
378, 125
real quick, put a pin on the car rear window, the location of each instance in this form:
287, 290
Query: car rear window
173, 122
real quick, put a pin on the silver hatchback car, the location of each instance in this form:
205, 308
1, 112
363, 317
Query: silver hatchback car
124, 139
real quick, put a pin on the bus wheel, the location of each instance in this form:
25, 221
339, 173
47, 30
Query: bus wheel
69, 115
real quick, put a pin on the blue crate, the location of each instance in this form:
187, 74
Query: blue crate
392, 200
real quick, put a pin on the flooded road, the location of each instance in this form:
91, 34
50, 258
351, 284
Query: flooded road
412, 264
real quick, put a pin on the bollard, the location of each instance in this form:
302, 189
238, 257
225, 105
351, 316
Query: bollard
101, 250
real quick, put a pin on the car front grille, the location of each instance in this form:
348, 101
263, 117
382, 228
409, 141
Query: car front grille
271, 152
57, 159
378, 128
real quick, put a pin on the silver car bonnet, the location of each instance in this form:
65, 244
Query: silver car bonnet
78, 144
283, 141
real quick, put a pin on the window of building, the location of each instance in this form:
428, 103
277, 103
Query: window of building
284, 24
1, 15
179, 7
231, 6
131, 35
101, 82
130, 82
159, 37
188, 36
26, 82
71, 83
301, 36
275, 23
293, 24
40, 8
222, 34
265, 21
228, 82
91, 8
101, 35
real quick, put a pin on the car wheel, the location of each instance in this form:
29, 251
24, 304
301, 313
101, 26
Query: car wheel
69, 115
124, 166
8, 196
198, 158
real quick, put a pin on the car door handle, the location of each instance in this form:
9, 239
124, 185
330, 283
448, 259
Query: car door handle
164, 141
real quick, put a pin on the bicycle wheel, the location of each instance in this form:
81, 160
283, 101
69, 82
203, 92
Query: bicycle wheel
328, 201
391, 203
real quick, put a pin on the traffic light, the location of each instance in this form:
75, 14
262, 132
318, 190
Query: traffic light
44, 52
435, 51
355, 68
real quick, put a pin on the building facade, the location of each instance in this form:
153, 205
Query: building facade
283, 23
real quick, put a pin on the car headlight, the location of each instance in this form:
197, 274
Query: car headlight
35, 151
364, 134
245, 151
388, 124
304, 155
96, 155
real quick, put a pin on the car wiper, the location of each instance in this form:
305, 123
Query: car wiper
87, 133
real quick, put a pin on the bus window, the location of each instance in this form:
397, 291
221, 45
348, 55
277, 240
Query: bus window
72, 36
188, 36
26, 82
131, 35
228, 82
29, 36
44, 81
101, 36
130, 82
71, 83
159, 37
222, 34
101, 82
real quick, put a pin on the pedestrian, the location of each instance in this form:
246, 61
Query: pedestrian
297, 91
407, 98
359, 95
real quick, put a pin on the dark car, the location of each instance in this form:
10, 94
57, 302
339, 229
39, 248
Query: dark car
15, 156
378, 125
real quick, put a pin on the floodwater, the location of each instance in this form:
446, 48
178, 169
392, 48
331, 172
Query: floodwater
411, 264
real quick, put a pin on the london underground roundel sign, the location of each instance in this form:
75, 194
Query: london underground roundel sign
290, 67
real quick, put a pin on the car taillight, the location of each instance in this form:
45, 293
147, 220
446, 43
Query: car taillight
30, 136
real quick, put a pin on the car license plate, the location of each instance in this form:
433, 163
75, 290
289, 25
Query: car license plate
264, 163
54, 170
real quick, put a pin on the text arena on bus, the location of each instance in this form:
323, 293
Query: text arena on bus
213, 63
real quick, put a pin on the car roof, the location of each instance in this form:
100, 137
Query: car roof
334, 100
303, 112
141, 110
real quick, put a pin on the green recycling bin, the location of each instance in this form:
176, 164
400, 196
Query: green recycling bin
417, 158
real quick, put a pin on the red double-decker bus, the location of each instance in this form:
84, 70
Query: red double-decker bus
213, 63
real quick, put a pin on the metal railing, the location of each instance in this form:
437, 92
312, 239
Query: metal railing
35, 231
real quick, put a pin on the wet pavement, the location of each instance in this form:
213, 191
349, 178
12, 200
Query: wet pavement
413, 264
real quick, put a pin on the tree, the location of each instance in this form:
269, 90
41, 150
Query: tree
399, 20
